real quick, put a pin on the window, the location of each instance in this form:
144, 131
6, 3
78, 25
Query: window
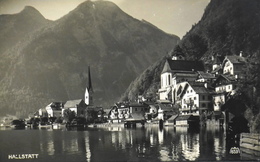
195, 98
203, 97
203, 105
135, 109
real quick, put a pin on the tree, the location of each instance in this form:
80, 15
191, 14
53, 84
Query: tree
69, 115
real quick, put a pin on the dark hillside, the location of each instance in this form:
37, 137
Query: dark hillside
15, 27
52, 63
227, 27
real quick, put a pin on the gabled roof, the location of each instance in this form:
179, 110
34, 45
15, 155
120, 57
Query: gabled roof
182, 65
198, 87
72, 103
228, 79
235, 59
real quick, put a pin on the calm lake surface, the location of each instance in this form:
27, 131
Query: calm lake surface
116, 144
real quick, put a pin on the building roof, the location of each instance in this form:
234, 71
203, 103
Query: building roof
72, 103
224, 79
200, 89
56, 105
173, 117
183, 117
182, 65
183, 74
205, 75
166, 107
187, 117
236, 59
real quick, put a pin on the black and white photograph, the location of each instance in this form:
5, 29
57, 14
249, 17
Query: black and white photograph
129, 80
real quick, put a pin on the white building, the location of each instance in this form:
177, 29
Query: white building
195, 98
175, 71
224, 85
233, 65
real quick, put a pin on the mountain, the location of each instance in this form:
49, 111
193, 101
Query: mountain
51, 64
226, 28
15, 27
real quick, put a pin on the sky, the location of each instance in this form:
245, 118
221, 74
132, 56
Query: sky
172, 16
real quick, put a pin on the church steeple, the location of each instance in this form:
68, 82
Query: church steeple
89, 90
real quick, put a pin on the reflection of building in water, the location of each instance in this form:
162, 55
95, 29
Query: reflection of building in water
190, 146
151, 140
50, 147
160, 136
219, 148
47, 144
74, 145
164, 154
87, 146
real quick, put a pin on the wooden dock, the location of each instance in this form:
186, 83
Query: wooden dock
250, 146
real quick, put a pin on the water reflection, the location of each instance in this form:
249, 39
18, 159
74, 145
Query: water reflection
87, 146
120, 144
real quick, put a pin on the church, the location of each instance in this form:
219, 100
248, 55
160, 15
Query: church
89, 91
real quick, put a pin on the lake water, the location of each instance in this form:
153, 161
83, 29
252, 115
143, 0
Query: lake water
115, 144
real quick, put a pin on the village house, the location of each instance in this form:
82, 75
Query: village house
233, 65
224, 85
119, 112
217, 64
54, 109
78, 106
205, 77
195, 99
122, 111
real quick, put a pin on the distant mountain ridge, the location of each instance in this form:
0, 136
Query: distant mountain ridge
15, 27
49, 61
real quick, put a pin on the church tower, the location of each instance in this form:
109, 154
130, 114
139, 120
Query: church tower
89, 90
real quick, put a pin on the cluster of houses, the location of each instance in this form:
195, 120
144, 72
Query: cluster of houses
199, 94
78, 106
188, 93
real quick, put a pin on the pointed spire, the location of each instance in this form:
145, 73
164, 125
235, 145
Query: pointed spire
90, 88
